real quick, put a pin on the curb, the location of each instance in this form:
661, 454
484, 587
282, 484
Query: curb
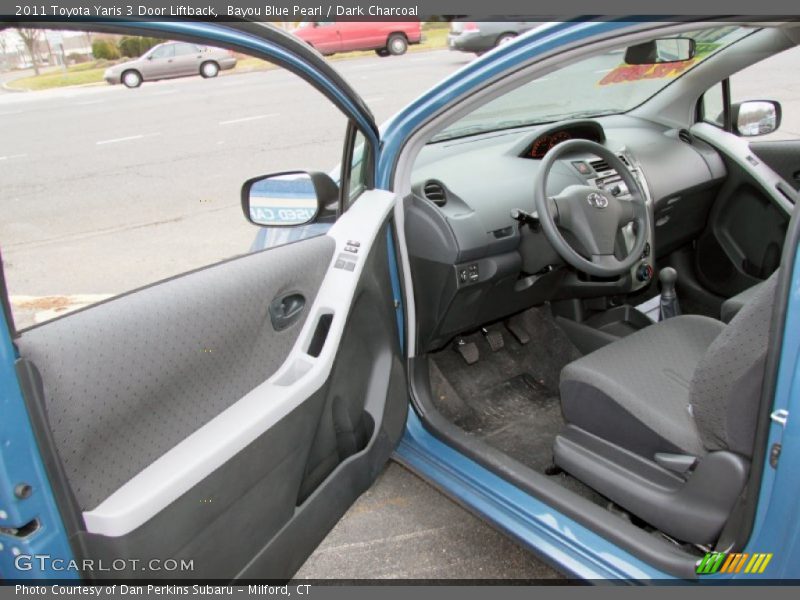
5, 87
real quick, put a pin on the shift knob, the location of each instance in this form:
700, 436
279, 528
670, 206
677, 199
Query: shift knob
668, 276
669, 299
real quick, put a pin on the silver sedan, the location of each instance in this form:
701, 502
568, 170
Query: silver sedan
171, 59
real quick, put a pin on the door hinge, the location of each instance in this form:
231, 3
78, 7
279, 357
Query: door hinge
774, 455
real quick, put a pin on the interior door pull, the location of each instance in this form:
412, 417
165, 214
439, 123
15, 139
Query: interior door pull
285, 310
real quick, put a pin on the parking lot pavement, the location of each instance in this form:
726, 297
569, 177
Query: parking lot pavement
404, 528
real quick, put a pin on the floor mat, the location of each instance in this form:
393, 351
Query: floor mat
509, 398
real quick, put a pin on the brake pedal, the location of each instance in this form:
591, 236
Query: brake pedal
468, 351
495, 338
518, 331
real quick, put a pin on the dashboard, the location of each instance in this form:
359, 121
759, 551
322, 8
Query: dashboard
474, 263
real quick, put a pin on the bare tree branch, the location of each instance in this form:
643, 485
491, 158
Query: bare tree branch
31, 37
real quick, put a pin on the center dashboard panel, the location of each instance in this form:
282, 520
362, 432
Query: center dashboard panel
474, 263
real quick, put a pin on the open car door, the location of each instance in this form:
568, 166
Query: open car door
223, 419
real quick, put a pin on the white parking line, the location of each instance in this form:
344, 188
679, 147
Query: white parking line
126, 139
10, 156
603, 71
245, 119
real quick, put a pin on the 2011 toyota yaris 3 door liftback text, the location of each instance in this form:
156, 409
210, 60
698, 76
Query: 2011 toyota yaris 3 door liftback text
485, 290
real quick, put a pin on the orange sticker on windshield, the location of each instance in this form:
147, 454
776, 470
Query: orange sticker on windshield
625, 73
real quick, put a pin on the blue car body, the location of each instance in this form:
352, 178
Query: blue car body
557, 538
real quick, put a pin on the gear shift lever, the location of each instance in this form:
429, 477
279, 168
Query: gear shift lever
669, 299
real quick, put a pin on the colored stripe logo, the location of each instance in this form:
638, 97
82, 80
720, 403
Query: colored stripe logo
733, 562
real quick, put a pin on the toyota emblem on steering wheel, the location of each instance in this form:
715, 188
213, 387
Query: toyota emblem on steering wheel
597, 200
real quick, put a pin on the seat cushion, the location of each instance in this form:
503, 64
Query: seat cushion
733, 305
635, 391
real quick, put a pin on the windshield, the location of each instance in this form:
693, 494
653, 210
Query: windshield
599, 85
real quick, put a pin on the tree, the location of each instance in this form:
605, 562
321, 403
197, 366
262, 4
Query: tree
30, 38
103, 49
135, 46
3, 50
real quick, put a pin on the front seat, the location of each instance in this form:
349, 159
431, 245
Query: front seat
662, 422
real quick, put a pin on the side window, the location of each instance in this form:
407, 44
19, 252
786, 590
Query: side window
775, 78
145, 185
185, 49
165, 51
713, 106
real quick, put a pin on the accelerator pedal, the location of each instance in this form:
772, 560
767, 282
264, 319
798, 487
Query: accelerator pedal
468, 351
495, 338
518, 330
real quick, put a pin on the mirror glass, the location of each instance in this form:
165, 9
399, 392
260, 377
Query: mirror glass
757, 117
282, 200
667, 50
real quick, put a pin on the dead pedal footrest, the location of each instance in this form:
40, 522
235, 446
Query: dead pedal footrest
468, 351
518, 331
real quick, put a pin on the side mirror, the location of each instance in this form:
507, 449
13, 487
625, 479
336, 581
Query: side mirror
288, 199
756, 117
656, 52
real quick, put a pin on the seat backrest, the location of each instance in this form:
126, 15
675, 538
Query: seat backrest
726, 386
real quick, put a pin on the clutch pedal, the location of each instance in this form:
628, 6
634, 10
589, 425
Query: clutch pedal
495, 338
468, 351
518, 331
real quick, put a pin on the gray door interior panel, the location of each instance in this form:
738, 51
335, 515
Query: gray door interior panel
126, 380
264, 511
742, 243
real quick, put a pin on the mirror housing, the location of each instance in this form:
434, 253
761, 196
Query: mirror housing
661, 51
288, 199
756, 117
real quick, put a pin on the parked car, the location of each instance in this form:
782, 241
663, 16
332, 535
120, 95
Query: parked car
171, 59
471, 312
386, 38
479, 37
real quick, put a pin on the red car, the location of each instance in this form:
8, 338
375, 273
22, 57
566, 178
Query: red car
391, 37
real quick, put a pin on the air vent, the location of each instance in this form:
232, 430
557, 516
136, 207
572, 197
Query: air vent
685, 136
435, 192
599, 165
625, 160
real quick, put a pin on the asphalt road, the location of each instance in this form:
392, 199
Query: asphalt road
105, 189
144, 183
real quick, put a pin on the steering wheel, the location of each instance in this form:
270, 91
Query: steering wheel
592, 215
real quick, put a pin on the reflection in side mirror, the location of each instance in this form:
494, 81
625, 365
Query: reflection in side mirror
287, 199
666, 50
756, 117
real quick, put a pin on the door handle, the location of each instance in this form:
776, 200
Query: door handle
285, 310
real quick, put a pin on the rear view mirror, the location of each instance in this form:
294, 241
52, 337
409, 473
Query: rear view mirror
756, 117
287, 199
666, 50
